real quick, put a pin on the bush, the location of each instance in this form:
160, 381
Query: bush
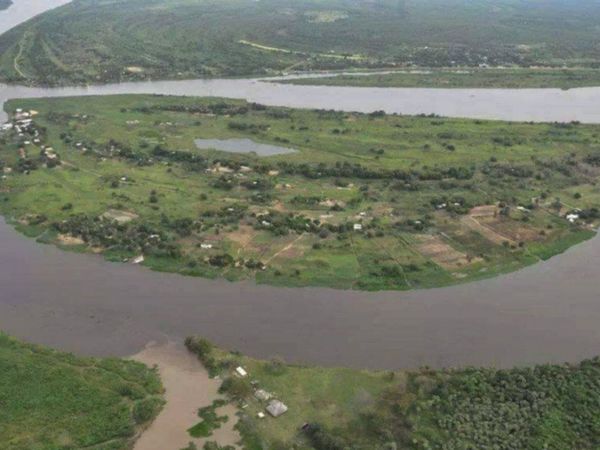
147, 409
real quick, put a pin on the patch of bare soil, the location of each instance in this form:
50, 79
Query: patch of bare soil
291, 250
443, 254
487, 232
65, 239
187, 388
484, 211
119, 216
243, 236
516, 231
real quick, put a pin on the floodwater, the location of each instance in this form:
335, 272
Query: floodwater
545, 313
242, 146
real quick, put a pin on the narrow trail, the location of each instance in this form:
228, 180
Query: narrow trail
287, 247
19, 56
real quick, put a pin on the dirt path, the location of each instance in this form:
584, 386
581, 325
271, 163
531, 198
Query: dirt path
188, 387
486, 231
287, 247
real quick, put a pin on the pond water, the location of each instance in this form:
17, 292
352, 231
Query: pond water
547, 312
242, 146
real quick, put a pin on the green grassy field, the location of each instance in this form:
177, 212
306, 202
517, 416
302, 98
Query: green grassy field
367, 201
543, 407
51, 400
513, 78
110, 40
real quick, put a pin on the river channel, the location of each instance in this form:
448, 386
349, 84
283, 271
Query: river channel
544, 313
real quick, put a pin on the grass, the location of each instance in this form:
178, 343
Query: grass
438, 201
152, 39
547, 406
52, 400
210, 420
509, 78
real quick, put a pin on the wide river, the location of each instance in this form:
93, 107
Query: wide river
547, 312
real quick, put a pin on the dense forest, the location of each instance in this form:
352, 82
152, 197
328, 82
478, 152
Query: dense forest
108, 40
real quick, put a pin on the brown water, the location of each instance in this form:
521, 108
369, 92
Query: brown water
548, 312
81, 303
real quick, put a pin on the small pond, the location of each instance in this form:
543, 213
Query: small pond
242, 146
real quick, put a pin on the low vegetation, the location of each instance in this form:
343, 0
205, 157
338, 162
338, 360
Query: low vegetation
366, 202
512, 78
543, 407
210, 420
51, 400
200, 38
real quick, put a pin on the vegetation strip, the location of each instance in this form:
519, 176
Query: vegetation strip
467, 77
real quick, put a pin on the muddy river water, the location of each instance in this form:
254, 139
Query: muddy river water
547, 312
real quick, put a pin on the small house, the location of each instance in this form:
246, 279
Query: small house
241, 372
572, 217
276, 408
358, 227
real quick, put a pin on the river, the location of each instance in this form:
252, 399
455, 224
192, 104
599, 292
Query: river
545, 313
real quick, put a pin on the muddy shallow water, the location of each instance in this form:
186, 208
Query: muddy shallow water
547, 312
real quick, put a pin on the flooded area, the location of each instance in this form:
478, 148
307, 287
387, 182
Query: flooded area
242, 146
545, 313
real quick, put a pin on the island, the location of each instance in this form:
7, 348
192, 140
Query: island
223, 188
